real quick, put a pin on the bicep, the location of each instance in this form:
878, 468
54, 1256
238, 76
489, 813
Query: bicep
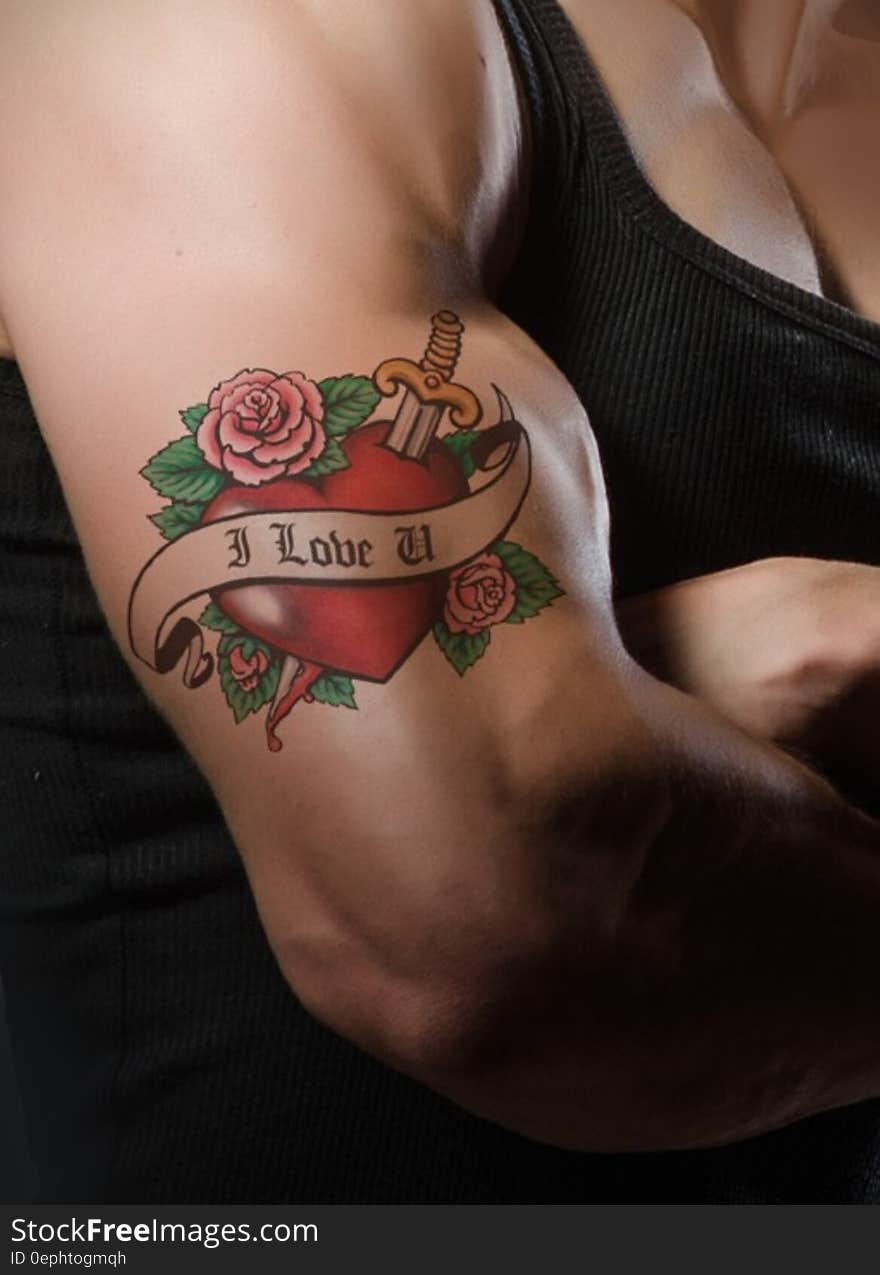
347, 638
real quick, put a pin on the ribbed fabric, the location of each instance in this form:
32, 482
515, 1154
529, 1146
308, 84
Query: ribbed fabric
161, 1055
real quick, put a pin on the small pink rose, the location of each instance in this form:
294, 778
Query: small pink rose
248, 672
482, 592
261, 426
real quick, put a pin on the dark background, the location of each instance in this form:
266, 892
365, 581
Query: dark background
17, 1177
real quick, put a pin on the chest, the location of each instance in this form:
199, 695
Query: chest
789, 180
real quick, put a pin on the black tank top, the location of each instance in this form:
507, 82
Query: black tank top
160, 1053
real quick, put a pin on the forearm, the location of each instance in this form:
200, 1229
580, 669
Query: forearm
787, 648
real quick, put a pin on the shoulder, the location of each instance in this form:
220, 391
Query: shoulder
414, 91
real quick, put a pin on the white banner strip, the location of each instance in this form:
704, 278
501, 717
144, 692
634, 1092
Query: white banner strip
330, 546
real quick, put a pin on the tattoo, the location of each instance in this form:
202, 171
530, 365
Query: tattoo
332, 542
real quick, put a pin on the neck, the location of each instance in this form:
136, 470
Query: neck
765, 50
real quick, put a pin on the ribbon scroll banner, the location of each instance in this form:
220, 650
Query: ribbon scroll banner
327, 546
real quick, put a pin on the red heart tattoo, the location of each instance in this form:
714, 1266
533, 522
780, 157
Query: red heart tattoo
295, 622
366, 631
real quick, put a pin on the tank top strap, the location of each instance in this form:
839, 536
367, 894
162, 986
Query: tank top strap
11, 380
545, 49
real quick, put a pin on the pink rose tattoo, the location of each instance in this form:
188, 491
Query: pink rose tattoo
261, 426
481, 593
247, 672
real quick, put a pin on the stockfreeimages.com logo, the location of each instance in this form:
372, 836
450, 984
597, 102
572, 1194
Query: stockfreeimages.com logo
95, 1230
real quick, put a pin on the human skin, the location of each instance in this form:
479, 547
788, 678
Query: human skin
560, 840
785, 647
756, 123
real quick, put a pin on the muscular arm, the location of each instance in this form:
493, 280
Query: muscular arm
541, 882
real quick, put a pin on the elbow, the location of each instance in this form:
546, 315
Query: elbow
428, 984
558, 1037
519, 960
522, 1038
436, 1016
474, 1003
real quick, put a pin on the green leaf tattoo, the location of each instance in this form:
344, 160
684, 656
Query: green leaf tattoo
335, 689
213, 617
462, 650
536, 588
177, 519
460, 444
192, 417
348, 401
180, 472
332, 458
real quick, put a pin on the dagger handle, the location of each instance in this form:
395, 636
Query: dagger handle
429, 388
444, 345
